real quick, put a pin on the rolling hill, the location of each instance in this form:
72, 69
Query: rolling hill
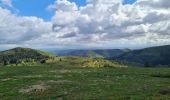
103, 53
26, 56
153, 56
19, 55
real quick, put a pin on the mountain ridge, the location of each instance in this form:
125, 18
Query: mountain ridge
98, 53
158, 55
152, 56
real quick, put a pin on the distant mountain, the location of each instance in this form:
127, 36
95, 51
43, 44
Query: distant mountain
154, 56
18, 55
82, 53
105, 53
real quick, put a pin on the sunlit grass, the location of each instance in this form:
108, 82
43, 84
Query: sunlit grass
65, 81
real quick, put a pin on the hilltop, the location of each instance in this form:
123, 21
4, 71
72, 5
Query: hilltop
22, 55
85, 62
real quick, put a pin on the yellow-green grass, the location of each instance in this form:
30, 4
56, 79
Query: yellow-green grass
66, 81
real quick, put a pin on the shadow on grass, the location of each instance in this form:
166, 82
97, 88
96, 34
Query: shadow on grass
161, 75
165, 91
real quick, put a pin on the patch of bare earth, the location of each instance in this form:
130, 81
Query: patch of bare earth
37, 88
60, 81
30, 76
65, 71
60, 71
7, 79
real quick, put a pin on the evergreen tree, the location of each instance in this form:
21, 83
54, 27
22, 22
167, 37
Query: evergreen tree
60, 60
43, 62
6, 62
147, 64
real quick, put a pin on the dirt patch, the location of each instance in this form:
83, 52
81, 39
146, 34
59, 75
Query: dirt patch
58, 76
60, 81
7, 79
37, 88
32, 76
60, 71
63, 71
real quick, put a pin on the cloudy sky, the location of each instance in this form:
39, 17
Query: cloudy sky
80, 24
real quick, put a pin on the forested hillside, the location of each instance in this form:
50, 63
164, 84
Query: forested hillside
152, 56
22, 55
100, 53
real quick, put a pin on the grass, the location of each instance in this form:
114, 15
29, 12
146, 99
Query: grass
63, 81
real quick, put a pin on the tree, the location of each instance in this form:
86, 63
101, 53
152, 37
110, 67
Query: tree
43, 61
147, 64
6, 62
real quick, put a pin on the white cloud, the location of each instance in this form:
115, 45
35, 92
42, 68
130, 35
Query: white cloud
108, 20
100, 23
156, 4
63, 5
16, 29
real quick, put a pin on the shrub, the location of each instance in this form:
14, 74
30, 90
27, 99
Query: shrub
43, 61
147, 64
6, 62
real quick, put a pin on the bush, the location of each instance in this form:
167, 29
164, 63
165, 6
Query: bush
6, 62
43, 61
147, 64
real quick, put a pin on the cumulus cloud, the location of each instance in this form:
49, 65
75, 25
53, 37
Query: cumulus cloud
110, 20
157, 4
63, 5
16, 29
100, 23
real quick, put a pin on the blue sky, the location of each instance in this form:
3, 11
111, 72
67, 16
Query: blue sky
39, 7
34, 8
129, 1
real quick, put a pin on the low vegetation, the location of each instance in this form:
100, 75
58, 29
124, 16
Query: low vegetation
85, 62
65, 81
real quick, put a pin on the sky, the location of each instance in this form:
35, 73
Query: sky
78, 24
39, 7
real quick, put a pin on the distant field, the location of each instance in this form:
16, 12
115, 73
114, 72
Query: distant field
63, 81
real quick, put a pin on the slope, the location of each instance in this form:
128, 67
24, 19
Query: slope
159, 55
18, 55
100, 53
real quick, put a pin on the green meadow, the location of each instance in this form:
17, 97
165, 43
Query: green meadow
66, 80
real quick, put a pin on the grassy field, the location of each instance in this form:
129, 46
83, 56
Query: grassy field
66, 81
